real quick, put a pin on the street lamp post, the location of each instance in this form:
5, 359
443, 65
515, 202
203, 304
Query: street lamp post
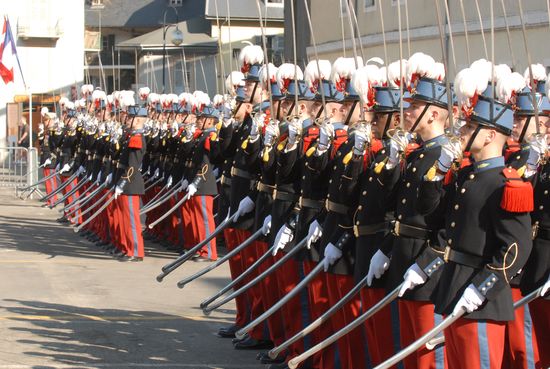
177, 39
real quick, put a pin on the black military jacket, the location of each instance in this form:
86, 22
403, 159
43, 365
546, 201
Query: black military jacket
129, 164
486, 244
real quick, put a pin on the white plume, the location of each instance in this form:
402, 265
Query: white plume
483, 68
539, 73
218, 100
311, 74
86, 89
438, 72
69, 105
44, 110
144, 92
506, 87
384, 76
153, 98
63, 101
288, 71
343, 68
171, 98
126, 99
200, 99
394, 72
364, 80
233, 80
419, 65
272, 74
468, 83
184, 98
501, 71
547, 85
99, 95
251, 54
110, 99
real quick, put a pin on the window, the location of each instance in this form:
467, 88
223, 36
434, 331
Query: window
97, 4
107, 43
370, 5
401, 2
344, 6
279, 3
176, 3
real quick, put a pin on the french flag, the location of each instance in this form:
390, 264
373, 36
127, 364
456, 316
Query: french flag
8, 53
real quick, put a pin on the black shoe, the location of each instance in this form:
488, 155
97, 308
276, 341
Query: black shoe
278, 366
202, 259
84, 233
62, 220
228, 332
265, 359
254, 344
118, 254
101, 243
236, 340
125, 258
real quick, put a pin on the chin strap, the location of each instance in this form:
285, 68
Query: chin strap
386, 126
348, 118
524, 130
419, 118
471, 140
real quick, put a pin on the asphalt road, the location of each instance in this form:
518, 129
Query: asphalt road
65, 304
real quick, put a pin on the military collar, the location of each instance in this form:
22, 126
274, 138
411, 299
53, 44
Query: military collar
483, 165
339, 126
306, 123
137, 131
435, 142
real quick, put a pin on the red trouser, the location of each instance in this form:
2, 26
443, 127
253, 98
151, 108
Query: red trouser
417, 318
475, 345
319, 303
236, 267
351, 347
51, 185
521, 349
71, 198
380, 332
201, 225
270, 295
131, 238
540, 313
287, 277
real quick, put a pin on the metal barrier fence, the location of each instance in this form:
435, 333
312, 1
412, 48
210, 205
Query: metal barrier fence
18, 166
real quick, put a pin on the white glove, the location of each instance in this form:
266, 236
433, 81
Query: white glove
157, 173
332, 254
48, 161
271, 133
537, 150
257, 122
98, 179
190, 131
379, 263
245, 206
294, 130
118, 191
470, 301
109, 178
284, 236
266, 227
326, 134
191, 190
215, 172
90, 177
545, 287
184, 185
360, 142
65, 168
314, 233
81, 170
169, 182
395, 155
57, 166
414, 276
449, 152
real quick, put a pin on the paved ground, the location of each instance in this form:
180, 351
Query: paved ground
64, 304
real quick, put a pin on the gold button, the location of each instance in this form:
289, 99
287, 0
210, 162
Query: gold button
328, 195
518, 157
400, 217
472, 176
408, 184
359, 207
450, 241
541, 207
546, 192
383, 151
370, 179
404, 201
456, 207
303, 177
463, 190
414, 169
453, 224
335, 167
364, 193
421, 156
357, 223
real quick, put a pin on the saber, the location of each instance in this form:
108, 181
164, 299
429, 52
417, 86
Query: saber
69, 194
167, 196
85, 200
169, 212
60, 188
241, 333
236, 281
92, 206
319, 321
229, 255
149, 180
430, 345
153, 184
156, 196
40, 181
293, 363
99, 211
256, 280
170, 267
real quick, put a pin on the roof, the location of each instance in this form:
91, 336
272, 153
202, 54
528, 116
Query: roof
243, 10
140, 13
195, 35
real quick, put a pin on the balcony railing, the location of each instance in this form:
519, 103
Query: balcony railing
39, 29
